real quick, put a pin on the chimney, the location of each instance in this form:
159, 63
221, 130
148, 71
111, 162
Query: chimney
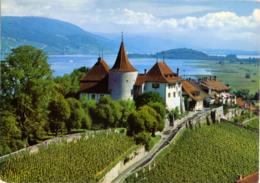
145, 71
177, 71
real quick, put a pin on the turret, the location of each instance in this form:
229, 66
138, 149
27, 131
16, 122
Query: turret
122, 76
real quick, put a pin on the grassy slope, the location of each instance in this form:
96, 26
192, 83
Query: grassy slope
216, 153
234, 74
86, 160
254, 123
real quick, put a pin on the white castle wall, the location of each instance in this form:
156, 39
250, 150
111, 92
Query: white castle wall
121, 85
171, 100
164, 90
148, 87
93, 96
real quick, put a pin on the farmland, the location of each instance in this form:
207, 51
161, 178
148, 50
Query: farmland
84, 160
215, 153
234, 74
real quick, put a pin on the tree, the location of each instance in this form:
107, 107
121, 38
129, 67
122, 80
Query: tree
148, 97
86, 121
26, 88
59, 113
243, 93
143, 138
135, 123
76, 114
108, 112
127, 107
68, 84
145, 119
159, 108
10, 133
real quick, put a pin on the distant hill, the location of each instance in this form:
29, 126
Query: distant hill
190, 54
183, 53
54, 36
179, 53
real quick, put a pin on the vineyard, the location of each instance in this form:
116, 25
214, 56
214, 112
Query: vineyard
216, 153
254, 123
83, 160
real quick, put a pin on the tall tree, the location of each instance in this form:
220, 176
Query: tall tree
76, 114
59, 113
10, 133
26, 87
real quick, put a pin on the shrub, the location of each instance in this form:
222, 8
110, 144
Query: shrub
147, 98
143, 138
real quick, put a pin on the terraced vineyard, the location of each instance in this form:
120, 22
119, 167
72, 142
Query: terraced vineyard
254, 123
216, 153
84, 160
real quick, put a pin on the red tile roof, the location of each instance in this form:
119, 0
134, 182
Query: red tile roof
160, 72
240, 102
253, 178
193, 91
96, 79
215, 85
141, 78
122, 63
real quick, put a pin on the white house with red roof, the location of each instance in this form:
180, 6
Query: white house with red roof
122, 81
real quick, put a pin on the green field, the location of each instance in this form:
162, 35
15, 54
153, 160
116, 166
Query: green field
254, 123
234, 74
86, 160
215, 153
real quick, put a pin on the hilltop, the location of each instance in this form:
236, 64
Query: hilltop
53, 36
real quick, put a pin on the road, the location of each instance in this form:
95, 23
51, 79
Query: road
164, 141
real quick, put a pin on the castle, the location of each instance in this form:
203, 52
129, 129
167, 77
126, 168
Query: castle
123, 82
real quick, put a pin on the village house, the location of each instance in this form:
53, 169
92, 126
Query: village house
218, 91
122, 81
161, 79
193, 95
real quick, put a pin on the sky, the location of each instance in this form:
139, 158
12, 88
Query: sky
227, 24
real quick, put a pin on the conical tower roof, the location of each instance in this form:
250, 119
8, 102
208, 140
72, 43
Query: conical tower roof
122, 63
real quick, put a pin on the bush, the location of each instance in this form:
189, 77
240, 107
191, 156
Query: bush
86, 121
145, 119
107, 112
143, 138
159, 108
146, 98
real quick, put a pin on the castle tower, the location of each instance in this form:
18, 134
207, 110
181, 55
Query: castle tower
122, 76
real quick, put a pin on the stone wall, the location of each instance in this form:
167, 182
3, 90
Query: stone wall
123, 165
211, 116
231, 113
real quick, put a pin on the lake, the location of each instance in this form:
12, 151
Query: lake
65, 64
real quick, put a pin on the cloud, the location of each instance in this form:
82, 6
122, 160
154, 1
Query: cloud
218, 20
186, 21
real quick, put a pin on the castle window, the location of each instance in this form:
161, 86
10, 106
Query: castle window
156, 85
169, 95
93, 96
173, 94
179, 93
127, 80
